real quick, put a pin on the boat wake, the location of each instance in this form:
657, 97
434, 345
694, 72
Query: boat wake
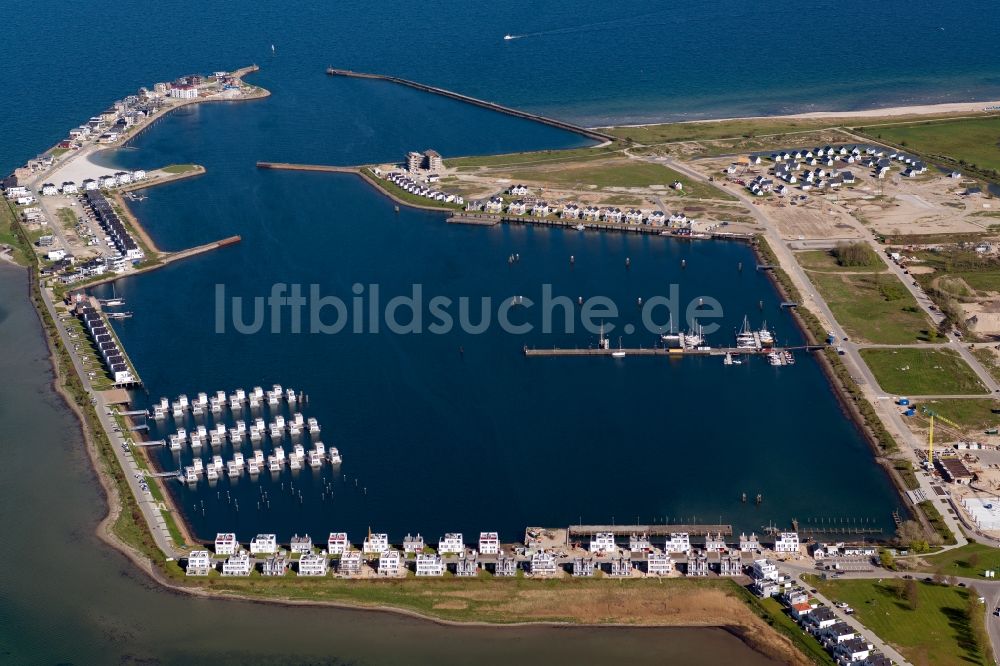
586, 27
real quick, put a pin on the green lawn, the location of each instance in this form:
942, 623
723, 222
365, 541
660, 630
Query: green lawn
974, 414
9, 233
622, 172
905, 469
938, 631
922, 372
531, 158
968, 561
695, 131
988, 360
179, 168
823, 260
976, 141
409, 197
875, 308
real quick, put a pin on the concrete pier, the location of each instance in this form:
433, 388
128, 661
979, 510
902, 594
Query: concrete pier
650, 530
492, 106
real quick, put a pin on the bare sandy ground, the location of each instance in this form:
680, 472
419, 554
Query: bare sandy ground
917, 110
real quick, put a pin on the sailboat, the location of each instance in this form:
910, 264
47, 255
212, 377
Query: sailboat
603, 342
620, 353
670, 336
114, 300
272, 48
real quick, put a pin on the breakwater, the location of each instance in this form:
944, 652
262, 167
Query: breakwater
492, 106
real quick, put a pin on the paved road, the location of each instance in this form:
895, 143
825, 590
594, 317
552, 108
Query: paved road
123, 451
858, 369
988, 589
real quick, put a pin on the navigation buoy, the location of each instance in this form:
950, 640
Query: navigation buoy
628, 262
579, 300
572, 259
684, 263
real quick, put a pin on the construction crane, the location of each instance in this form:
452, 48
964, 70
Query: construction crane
931, 414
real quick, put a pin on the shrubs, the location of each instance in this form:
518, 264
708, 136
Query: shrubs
855, 254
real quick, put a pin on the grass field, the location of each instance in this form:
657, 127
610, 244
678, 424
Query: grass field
179, 168
875, 308
937, 631
975, 141
988, 360
823, 260
615, 172
922, 372
968, 561
695, 131
973, 414
9, 234
409, 197
531, 158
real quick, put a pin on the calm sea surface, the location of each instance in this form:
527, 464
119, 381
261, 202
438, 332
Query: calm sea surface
449, 432
66, 598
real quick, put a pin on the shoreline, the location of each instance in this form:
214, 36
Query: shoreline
116, 506
945, 108
772, 645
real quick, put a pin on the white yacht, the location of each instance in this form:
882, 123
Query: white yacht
335, 456
745, 337
765, 336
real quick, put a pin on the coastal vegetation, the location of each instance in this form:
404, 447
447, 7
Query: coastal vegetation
874, 307
905, 470
179, 168
12, 235
850, 255
737, 128
913, 371
852, 394
613, 172
531, 158
970, 143
968, 561
974, 415
937, 523
928, 623
408, 198
826, 260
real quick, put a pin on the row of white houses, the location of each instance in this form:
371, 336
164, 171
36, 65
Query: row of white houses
403, 181
394, 563
453, 543
572, 211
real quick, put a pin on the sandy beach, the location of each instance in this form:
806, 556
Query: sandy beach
890, 112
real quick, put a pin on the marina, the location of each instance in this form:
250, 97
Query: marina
556, 398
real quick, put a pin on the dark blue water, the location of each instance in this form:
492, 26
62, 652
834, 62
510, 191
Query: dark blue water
595, 62
460, 431
485, 439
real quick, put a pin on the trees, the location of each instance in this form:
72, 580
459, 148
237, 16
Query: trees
855, 254
886, 559
911, 593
